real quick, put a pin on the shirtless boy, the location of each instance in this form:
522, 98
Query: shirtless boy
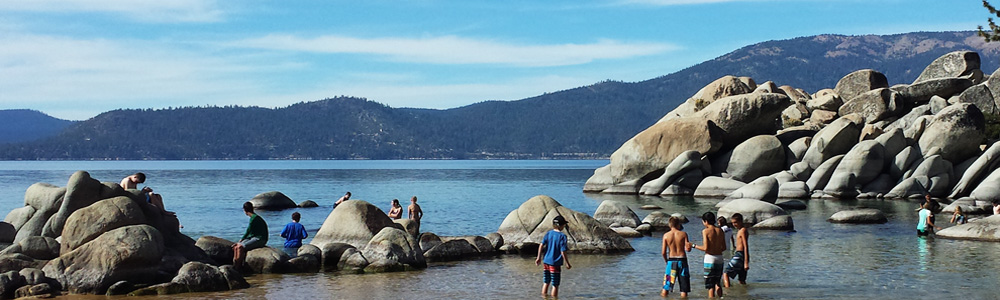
675, 243
132, 181
343, 198
740, 263
414, 213
714, 244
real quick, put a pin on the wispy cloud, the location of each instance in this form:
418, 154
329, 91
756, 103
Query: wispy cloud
141, 10
460, 50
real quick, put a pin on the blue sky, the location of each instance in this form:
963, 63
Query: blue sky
74, 59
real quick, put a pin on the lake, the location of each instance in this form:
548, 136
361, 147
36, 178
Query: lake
819, 260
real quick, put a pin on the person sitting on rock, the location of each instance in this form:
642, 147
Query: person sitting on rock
396, 211
959, 217
293, 233
132, 182
343, 198
255, 236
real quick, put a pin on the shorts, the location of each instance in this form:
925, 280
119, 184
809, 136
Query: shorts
678, 273
734, 268
550, 274
251, 243
923, 232
713, 271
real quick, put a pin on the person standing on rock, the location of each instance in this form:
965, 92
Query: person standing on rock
554, 248
255, 236
714, 244
343, 198
396, 211
676, 244
414, 212
293, 233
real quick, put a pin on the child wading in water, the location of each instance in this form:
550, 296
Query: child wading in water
676, 244
925, 224
740, 263
554, 248
714, 244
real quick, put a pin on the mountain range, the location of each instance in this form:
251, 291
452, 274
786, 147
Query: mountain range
584, 122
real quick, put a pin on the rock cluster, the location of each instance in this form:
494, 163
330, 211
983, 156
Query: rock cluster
523, 229
859, 139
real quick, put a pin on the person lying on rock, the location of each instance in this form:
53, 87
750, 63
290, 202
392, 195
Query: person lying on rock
255, 236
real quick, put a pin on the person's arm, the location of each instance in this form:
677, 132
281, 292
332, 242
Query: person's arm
566, 260
284, 232
538, 258
663, 248
420, 214
687, 244
929, 222
704, 240
746, 249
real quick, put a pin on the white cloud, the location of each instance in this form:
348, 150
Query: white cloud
459, 50
142, 10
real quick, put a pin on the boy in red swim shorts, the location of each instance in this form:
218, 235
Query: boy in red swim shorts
554, 248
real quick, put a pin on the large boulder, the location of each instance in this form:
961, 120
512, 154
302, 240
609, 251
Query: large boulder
218, 249
334, 256
683, 163
81, 191
723, 87
273, 200
19, 216
45, 199
954, 64
989, 189
714, 186
986, 229
981, 96
829, 102
938, 171
763, 188
859, 216
873, 105
37, 247
758, 156
611, 211
744, 116
957, 130
861, 164
834, 139
783, 223
266, 260
654, 149
657, 220
793, 189
201, 277
528, 224
93, 267
859, 82
86, 224
922, 92
753, 211
451, 250
393, 249
821, 176
980, 168
353, 222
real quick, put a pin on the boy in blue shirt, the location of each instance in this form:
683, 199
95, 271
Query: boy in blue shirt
293, 234
554, 247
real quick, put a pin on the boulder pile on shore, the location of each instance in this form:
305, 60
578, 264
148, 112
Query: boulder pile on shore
862, 138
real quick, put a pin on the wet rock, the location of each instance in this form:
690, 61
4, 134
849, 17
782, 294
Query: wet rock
201, 277
985, 230
451, 250
529, 223
429, 240
791, 204
273, 200
335, 254
303, 264
41, 290
120, 288
611, 211
391, 250
495, 239
783, 223
266, 260
309, 250
859, 216
308, 204
753, 211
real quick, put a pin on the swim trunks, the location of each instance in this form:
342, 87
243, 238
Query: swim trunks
713, 271
551, 274
735, 268
677, 273
252, 243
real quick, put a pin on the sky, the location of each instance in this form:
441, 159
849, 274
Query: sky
74, 59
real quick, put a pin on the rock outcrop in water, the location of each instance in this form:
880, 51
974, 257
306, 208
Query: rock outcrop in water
860, 139
358, 228
90, 235
524, 228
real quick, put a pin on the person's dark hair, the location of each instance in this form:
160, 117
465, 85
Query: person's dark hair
348, 194
722, 221
395, 201
414, 199
140, 176
675, 222
737, 217
996, 202
248, 207
708, 217
296, 216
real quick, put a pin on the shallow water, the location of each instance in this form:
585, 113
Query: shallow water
819, 261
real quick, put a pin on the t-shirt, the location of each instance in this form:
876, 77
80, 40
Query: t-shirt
293, 233
922, 223
256, 229
555, 244
728, 232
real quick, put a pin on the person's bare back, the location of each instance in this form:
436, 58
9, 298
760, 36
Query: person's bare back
676, 241
715, 240
413, 211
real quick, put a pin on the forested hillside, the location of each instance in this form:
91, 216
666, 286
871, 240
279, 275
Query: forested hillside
590, 121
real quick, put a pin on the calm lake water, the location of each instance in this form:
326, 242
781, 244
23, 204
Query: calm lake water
819, 261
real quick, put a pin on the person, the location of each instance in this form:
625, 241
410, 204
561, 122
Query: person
925, 223
958, 217
713, 244
255, 236
676, 244
554, 249
343, 198
293, 233
131, 182
996, 207
413, 212
740, 263
396, 211
727, 231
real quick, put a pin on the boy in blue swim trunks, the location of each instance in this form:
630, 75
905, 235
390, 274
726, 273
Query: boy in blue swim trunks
554, 247
714, 244
676, 244
738, 266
